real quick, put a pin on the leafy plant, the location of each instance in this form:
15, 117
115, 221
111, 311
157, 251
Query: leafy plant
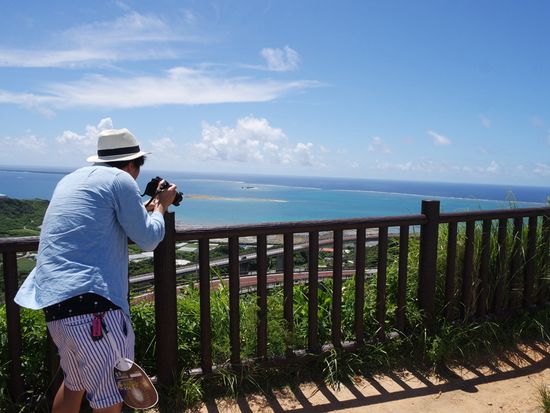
544, 397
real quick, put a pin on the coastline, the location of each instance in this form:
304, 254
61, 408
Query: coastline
226, 198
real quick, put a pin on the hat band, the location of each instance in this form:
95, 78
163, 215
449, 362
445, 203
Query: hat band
118, 151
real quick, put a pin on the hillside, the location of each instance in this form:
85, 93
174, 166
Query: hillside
21, 217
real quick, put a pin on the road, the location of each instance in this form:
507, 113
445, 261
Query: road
249, 257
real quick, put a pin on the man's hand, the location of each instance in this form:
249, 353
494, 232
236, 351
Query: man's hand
150, 205
165, 198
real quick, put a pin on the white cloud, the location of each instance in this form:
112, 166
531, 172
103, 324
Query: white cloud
27, 149
304, 154
387, 166
30, 101
253, 140
485, 121
439, 167
71, 148
133, 36
28, 142
178, 86
133, 27
165, 153
542, 169
281, 60
409, 166
68, 137
105, 123
439, 139
493, 167
163, 145
189, 17
378, 145
52, 58
537, 121
70, 142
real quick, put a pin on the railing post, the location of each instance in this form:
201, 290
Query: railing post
450, 273
515, 289
544, 278
234, 300
262, 261
381, 276
485, 256
402, 277
165, 303
313, 294
336, 322
467, 272
13, 316
429, 233
501, 277
288, 289
529, 276
205, 318
359, 311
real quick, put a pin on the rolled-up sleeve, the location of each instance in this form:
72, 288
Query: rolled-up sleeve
146, 230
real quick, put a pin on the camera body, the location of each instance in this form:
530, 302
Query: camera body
152, 185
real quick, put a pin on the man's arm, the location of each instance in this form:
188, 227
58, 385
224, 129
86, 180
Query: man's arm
146, 230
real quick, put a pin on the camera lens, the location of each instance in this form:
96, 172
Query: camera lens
178, 199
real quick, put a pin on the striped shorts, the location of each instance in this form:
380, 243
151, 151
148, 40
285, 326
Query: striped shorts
88, 364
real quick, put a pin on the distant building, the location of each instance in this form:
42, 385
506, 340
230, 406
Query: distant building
141, 256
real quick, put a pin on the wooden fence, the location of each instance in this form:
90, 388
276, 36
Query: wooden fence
486, 294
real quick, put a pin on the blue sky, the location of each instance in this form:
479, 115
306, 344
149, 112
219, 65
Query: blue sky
441, 90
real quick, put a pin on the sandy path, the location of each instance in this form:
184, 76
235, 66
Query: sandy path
508, 385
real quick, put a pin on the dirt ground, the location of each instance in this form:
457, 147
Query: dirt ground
509, 384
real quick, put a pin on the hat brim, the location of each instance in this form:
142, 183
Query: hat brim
116, 158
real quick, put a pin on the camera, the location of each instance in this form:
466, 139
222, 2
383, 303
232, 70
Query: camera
151, 189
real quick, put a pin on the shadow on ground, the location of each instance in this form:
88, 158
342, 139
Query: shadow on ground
368, 391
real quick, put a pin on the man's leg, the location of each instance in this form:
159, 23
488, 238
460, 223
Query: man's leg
117, 408
66, 400
69, 401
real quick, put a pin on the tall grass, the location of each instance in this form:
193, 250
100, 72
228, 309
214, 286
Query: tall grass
544, 398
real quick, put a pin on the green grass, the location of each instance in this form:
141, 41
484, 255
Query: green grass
544, 398
20, 218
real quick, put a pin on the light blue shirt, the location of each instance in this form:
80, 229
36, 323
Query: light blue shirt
84, 238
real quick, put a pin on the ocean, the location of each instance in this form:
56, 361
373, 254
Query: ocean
226, 199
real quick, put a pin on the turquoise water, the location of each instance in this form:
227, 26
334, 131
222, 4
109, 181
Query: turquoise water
225, 200
279, 203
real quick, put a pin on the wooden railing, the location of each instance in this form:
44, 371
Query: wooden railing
480, 297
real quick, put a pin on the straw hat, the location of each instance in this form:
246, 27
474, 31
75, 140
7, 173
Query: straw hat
116, 145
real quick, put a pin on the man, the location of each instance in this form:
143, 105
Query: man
81, 274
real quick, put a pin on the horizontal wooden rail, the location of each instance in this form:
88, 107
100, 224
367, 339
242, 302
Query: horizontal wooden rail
19, 244
445, 218
270, 228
